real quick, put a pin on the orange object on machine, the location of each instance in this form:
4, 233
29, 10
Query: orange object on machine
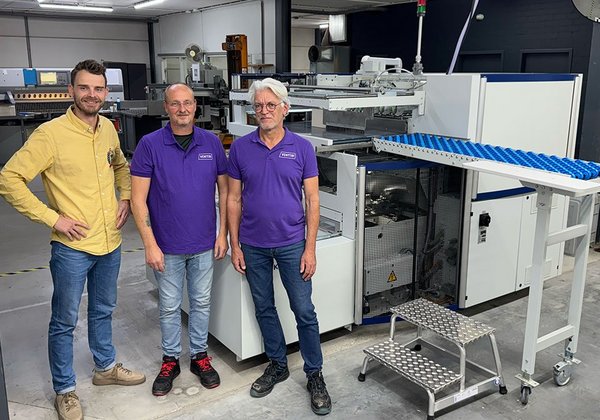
237, 54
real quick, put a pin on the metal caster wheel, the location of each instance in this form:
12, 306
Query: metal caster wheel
416, 347
561, 374
525, 391
361, 377
503, 390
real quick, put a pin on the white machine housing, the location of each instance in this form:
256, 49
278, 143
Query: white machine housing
370, 64
534, 112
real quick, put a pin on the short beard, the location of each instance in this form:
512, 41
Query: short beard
83, 111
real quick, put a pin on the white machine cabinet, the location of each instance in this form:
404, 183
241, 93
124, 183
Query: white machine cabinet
232, 319
535, 112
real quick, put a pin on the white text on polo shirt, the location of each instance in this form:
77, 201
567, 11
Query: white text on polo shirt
205, 156
287, 155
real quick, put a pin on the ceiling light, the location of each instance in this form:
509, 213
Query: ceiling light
147, 3
77, 7
324, 25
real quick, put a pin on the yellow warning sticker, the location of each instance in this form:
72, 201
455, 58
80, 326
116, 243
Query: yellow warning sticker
392, 277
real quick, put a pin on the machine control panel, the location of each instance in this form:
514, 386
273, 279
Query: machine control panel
42, 96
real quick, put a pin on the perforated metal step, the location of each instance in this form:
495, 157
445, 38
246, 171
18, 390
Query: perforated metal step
413, 366
451, 325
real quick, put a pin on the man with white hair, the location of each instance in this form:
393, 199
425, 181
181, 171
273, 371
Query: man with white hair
271, 166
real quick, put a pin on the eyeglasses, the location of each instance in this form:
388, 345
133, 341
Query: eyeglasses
270, 106
177, 104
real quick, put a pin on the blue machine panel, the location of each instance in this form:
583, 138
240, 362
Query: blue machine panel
29, 77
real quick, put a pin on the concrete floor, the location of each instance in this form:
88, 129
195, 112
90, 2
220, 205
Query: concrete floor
24, 315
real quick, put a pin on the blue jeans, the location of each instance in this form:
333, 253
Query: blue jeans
198, 270
69, 269
259, 273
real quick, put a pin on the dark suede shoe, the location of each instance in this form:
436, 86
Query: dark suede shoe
274, 373
200, 366
319, 397
168, 372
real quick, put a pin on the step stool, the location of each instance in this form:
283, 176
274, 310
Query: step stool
429, 375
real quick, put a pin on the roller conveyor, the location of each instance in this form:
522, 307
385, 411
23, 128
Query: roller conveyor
469, 151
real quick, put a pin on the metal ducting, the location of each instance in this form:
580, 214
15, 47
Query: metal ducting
329, 59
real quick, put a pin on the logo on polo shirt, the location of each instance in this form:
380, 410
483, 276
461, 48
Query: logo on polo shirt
110, 156
287, 155
205, 156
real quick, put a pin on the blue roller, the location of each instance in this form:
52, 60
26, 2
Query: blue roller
504, 156
461, 148
458, 146
475, 151
588, 170
518, 157
530, 162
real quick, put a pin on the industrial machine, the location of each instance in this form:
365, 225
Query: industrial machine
376, 236
237, 55
44, 90
29, 97
392, 228
402, 220
192, 67
421, 229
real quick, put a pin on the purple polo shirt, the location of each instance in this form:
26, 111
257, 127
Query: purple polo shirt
272, 212
181, 199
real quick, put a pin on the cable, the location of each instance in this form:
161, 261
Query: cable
474, 4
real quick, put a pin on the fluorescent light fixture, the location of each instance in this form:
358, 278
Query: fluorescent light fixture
147, 3
337, 28
323, 25
77, 7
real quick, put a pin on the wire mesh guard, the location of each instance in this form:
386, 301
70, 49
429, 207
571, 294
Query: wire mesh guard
411, 236
451, 325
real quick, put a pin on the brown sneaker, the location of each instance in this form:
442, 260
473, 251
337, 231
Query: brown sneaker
68, 407
118, 375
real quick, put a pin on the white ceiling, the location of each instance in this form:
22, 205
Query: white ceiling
306, 13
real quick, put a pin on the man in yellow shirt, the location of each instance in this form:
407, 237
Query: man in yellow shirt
80, 162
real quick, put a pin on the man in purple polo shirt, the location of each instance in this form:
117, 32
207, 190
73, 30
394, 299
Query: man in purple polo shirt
267, 170
174, 172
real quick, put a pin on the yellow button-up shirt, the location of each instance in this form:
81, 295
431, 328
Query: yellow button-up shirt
80, 167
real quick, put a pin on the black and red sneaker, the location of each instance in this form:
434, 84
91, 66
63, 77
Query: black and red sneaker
200, 366
168, 372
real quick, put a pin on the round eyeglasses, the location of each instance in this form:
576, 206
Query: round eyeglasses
269, 106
